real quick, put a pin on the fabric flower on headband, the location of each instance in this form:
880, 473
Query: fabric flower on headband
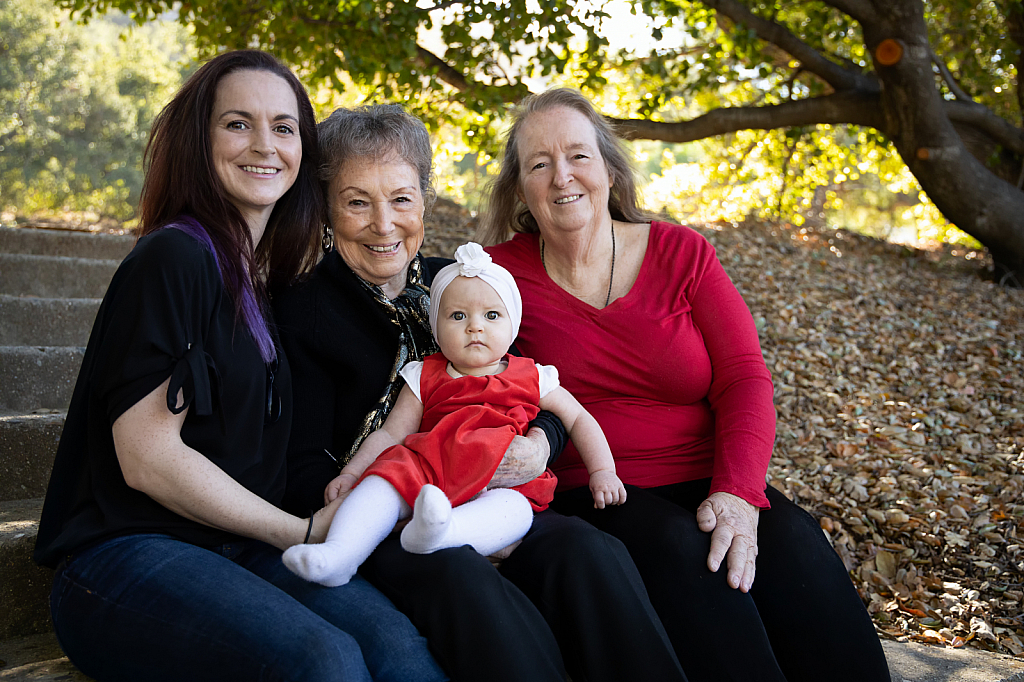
472, 261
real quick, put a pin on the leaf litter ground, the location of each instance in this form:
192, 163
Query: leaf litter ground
898, 382
899, 377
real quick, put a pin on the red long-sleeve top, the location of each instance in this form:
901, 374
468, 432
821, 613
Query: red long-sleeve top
672, 371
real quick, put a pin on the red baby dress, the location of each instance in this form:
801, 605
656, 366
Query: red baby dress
468, 423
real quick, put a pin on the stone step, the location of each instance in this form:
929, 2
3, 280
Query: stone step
54, 276
24, 586
46, 321
915, 662
28, 443
74, 244
34, 377
37, 657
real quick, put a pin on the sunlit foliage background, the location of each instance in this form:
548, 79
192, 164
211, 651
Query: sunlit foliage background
78, 100
76, 104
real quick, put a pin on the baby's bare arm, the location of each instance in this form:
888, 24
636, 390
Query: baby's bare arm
590, 442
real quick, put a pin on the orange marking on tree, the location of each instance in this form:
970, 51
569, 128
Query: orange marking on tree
889, 52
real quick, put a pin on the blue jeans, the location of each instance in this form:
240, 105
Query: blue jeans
150, 607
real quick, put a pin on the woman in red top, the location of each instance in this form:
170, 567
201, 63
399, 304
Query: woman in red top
653, 339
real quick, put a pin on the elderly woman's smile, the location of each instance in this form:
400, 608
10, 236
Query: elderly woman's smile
377, 213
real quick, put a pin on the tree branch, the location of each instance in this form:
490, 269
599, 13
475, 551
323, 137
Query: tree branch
1015, 23
453, 77
671, 54
951, 83
855, 108
859, 10
445, 72
812, 60
978, 115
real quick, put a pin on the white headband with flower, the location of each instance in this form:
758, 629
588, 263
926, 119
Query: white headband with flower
472, 261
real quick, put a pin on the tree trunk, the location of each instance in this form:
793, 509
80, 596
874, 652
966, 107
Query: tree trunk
968, 194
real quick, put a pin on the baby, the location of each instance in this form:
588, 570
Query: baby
455, 418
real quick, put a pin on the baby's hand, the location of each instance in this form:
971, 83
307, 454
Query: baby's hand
338, 487
606, 488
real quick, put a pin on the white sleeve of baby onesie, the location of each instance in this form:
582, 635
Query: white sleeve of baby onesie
411, 373
548, 378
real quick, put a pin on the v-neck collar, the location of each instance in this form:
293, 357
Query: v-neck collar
593, 310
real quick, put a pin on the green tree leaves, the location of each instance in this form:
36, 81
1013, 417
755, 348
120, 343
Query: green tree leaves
724, 67
77, 104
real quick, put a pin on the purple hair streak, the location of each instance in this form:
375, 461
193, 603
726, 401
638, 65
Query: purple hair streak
251, 313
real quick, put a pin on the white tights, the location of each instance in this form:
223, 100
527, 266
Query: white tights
489, 522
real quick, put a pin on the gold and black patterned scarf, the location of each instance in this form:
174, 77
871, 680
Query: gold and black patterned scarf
408, 312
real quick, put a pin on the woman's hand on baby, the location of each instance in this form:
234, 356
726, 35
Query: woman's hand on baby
606, 488
342, 485
525, 459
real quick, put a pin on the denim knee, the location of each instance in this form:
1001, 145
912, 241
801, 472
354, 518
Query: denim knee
315, 653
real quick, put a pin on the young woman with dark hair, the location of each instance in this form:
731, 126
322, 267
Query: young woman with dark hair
162, 516
181, 178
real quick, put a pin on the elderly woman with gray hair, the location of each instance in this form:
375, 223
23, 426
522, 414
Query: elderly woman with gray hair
568, 599
651, 336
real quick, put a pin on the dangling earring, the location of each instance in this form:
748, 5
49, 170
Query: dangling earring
327, 241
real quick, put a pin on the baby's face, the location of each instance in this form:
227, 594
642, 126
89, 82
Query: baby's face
473, 327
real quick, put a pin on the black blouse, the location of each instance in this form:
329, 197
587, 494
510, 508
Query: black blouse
165, 314
341, 346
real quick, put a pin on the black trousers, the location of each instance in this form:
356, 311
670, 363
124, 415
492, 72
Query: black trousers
568, 599
801, 621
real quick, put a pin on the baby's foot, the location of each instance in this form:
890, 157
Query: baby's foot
324, 564
431, 522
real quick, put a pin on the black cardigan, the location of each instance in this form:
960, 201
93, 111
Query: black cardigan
341, 347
